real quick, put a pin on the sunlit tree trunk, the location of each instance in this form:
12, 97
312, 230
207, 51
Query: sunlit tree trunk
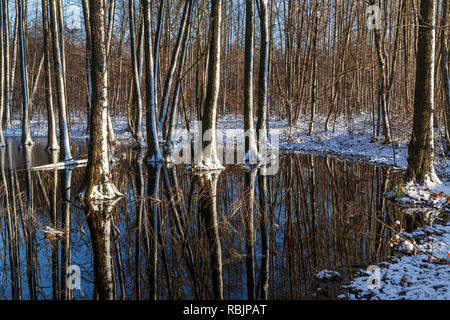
136, 77
153, 149
157, 45
98, 184
207, 159
421, 148
14, 62
58, 57
251, 149
52, 139
26, 126
109, 35
88, 58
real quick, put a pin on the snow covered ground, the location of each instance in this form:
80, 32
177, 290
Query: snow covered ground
423, 275
342, 140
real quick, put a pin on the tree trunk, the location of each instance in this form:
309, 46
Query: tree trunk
136, 77
6, 106
207, 159
263, 79
382, 90
52, 139
3, 91
26, 127
421, 148
314, 69
157, 45
251, 149
88, 58
445, 62
98, 185
64, 140
153, 149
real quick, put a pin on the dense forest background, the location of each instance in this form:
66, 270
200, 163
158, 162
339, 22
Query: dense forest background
324, 44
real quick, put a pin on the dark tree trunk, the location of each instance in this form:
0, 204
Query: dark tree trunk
421, 148
445, 63
263, 78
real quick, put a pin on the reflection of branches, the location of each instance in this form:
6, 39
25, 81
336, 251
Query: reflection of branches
187, 251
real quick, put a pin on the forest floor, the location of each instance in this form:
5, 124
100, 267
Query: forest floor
419, 270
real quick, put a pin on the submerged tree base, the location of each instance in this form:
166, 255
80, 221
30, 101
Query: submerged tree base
206, 166
103, 192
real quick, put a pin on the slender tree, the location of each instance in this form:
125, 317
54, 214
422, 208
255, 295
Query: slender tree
3, 91
26, 126
7, 46
251, 149
52, 139
445, 63
383, 80
60, 69
313, 89
157, 44
88, 57
263, 78
136, 75
153, 149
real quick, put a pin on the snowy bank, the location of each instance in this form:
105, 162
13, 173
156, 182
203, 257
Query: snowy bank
421, 274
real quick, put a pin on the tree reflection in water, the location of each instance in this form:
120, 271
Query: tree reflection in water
232, 235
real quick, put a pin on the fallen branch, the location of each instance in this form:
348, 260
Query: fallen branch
61, 165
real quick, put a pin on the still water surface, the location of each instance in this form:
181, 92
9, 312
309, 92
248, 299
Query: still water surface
175, 235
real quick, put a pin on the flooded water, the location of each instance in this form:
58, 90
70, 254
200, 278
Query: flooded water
174, 235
